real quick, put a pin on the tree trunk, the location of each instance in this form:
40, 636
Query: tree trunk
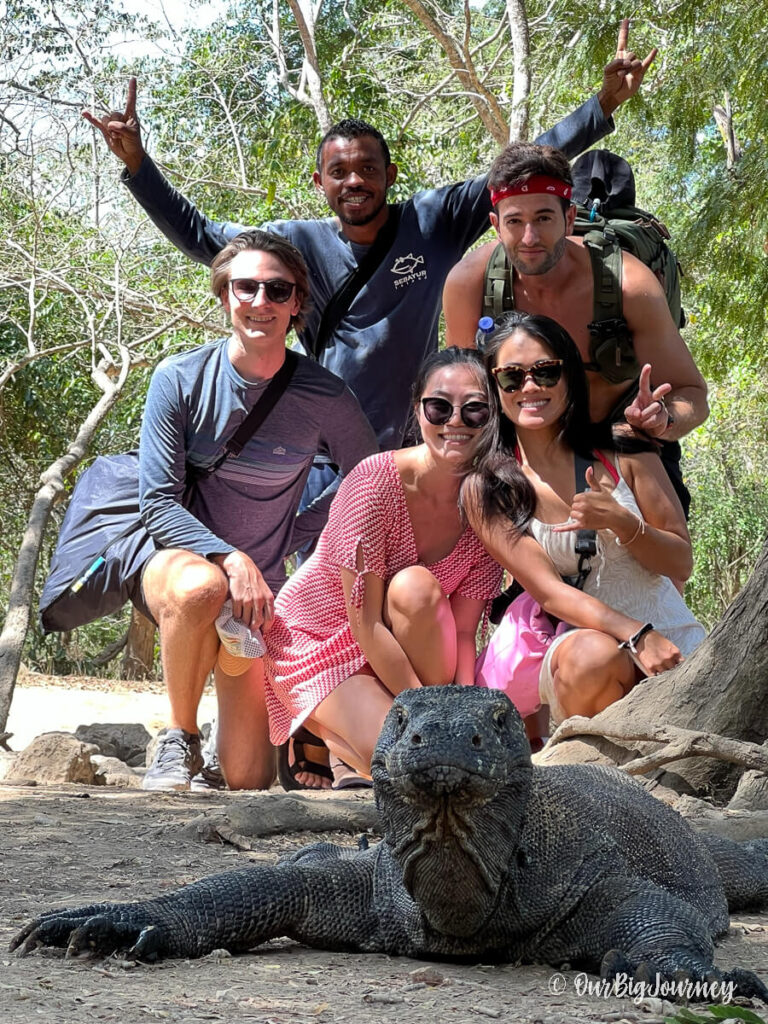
521, 82
139, 656
16, 623
305, 14
722, 688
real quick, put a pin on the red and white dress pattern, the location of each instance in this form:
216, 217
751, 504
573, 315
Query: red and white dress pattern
310, 647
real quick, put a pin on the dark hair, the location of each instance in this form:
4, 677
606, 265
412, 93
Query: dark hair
517, 162
453, 356
352, 128
257, 240
502, 489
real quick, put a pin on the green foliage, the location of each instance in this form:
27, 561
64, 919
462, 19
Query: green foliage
726, 465
721, 1012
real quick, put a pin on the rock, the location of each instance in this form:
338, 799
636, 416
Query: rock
573, 751
57, 757
111, 771
7, 758
126, 741
652, 1004
267, 814
427, 976
388, 998
751, 793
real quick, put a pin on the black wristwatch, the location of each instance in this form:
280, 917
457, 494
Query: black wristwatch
631, 644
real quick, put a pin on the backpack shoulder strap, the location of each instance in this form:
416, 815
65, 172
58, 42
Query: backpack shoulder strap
498, 293
611, 349
605, 256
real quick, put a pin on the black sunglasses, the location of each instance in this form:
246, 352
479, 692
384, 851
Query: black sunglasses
276, 289
545, 374
438, 412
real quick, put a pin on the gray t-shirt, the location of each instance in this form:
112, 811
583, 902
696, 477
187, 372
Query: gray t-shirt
196, 401
392, 323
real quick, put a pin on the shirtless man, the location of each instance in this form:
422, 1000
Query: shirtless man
533, 217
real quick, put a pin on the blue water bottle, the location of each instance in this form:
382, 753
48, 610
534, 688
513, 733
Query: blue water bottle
485, 327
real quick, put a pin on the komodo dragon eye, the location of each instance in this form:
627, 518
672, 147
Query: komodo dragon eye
401, 715
500, 718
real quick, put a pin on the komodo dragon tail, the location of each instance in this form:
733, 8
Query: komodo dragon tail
743, 868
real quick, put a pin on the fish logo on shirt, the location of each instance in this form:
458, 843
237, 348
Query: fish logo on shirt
406, 264
408, 269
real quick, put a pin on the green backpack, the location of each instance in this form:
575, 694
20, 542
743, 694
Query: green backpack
628, 228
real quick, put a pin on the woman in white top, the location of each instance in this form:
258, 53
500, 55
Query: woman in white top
525, 504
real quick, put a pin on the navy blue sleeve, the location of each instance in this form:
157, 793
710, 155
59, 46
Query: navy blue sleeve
581, 129
163, 473
201, 238
178, 219
348, 438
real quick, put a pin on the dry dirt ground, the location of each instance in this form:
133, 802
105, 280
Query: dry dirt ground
62, 846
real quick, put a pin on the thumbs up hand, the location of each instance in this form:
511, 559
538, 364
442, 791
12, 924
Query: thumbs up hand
595, 508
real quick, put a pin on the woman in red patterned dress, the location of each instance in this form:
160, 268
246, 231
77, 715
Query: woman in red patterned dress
392, 597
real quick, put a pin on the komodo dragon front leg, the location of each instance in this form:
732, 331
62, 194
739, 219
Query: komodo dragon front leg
237, 910
633, 928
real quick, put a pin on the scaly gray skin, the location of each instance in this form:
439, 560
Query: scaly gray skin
484, 856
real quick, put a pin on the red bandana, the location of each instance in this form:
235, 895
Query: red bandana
537, 184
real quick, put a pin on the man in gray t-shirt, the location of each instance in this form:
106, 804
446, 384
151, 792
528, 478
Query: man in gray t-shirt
227, 535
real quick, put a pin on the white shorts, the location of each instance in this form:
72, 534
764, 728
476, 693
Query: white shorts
547, 693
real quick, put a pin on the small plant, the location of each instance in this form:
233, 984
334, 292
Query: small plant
715, 1013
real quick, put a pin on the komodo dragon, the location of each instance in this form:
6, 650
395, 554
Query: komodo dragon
484, 856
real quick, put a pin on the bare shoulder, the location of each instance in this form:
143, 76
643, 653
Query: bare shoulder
639, 280
471, 268
641, 465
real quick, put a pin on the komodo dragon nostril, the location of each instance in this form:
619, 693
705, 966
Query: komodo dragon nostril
416, 739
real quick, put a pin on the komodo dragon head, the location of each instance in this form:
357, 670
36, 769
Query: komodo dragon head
452, 774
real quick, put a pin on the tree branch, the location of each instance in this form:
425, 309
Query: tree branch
52, 487
678, 744
724, 121
460, 59
305, 16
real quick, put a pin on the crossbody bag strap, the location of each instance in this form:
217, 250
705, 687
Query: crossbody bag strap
339, 303
272, 394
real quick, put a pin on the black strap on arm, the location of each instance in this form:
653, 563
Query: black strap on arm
586, 540
585, 547
339, 303
269, 399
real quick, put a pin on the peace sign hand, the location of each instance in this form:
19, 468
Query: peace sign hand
648, 412
623, 76
122, 132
